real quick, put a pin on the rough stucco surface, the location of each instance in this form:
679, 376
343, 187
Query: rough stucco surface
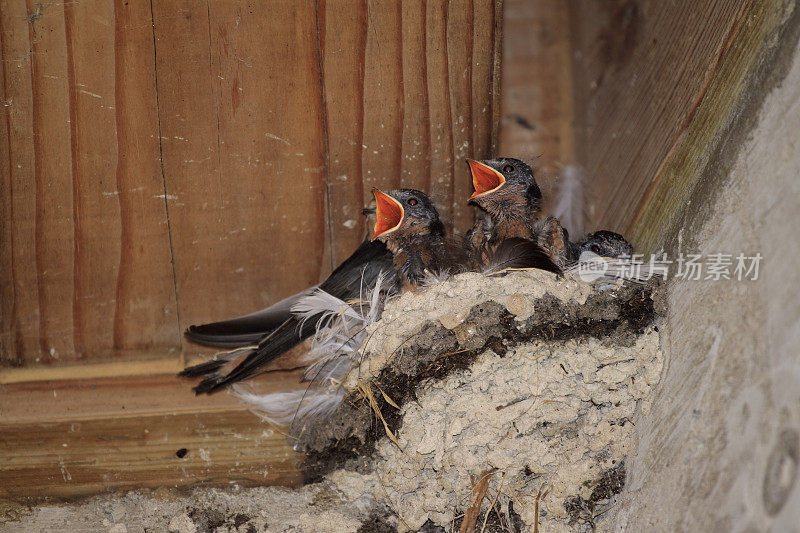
524, 415
719, 451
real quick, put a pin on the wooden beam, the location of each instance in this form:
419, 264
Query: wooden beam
691, 161
640, 70
76, 437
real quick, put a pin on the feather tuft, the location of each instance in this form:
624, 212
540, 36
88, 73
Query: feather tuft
571, 197
340, 333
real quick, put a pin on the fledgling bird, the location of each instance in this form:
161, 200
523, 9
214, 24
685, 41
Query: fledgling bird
605, 244
359, 271
509, 198
250, 329
410, 226
408, 223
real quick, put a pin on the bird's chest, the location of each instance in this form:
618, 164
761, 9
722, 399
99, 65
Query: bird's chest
412, 260
509, 228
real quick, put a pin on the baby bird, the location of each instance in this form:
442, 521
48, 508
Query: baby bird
409, 225
509, 200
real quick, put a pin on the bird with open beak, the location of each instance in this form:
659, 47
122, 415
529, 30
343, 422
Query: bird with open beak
409, 224
509, 200
270, 333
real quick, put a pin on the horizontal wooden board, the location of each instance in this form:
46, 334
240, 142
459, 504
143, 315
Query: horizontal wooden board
65, 459
75, 437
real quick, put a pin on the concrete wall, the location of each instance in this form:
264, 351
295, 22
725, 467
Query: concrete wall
719, 451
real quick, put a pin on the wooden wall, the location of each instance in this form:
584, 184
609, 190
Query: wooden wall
641, 69
198, 160
171, 162
536, 107
181, 161
612, 86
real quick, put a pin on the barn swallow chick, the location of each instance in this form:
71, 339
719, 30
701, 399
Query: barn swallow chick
250, 329
409, 225
509, 200
507, 192
605, 244
272, 332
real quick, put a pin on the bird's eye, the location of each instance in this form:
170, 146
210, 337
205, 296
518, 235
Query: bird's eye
595, 248
508, 168
412, 201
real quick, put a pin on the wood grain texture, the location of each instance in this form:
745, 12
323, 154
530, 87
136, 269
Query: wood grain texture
396, 78
67, 459
702, 157
640, 71
167, 162
536, 123
145, 314
239, 101
80, 437
342, 33
178, 162
88, 255
19, 326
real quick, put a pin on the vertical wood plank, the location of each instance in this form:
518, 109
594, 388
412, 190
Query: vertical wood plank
267, 79
89, 275
342, 26
189, 148
145, 321
441, 137
239, 100
415, 164
54, 237
383, 96
483, 69
19, 317
460, 42
537, 90
95, 210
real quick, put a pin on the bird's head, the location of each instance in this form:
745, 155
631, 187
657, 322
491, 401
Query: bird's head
502, 183
404, 212
605, 244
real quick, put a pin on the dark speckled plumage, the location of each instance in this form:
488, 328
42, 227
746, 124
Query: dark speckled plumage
419, 245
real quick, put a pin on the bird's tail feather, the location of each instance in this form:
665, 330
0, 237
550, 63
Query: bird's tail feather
286, 408
336, 344
248, 329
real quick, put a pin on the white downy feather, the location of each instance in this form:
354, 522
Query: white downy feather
570, 203
282, 408
336, 344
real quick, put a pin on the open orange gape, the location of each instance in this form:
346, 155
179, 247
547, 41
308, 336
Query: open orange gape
485, 179
389, 213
